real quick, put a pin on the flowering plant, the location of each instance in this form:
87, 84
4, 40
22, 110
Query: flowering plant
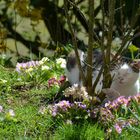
76, 112
7, 115
43, 70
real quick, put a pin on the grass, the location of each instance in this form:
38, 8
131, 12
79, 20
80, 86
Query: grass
26, 96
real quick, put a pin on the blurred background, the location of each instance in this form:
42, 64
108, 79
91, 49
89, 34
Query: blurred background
31, 29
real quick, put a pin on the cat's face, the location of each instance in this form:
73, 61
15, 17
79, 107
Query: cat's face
126, 76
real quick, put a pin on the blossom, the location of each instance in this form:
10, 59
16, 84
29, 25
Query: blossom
63, 105
11, 112
45, 68
106, 115
77, 92
43, 60
42, 110
118, 128
68, 122
62, 62
26, 67
80, 105
136, 98
60, 107
29, 70
52, 81
118, 102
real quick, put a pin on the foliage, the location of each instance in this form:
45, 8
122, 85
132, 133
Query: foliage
32, 108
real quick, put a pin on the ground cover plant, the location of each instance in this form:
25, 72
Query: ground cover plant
36, 100
32, 106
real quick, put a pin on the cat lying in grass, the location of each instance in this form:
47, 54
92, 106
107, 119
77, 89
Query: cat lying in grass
125, 79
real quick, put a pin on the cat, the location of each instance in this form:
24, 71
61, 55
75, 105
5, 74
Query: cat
125, 79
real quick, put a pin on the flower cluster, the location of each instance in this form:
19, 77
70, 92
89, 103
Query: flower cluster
60, 107
106, 114
45, 64
120, 124
122, 101
110, 115
69, 111
54, 81
61, 62
77, 92
26, 67
115, 104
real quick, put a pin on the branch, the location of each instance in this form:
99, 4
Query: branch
74, 43
106, 73
90, 46
126, 38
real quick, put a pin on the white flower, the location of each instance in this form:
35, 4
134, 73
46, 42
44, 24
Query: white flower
45, 68
29, 70
43, 60
3, 81
11, 112
62, 62
42, 110
68, 122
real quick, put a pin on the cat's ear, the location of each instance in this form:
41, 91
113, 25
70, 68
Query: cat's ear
111, 94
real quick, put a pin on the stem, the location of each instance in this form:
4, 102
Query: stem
90, 47
106, 74
74, 43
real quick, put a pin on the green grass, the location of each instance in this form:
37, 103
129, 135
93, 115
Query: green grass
25, 97
79, 132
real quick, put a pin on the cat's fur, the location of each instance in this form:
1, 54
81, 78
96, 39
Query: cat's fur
125, 80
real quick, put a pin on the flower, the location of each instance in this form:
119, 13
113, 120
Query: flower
43, 60
26, 67
61, 62
29, 70
63, 104
77, 92
45, 68
68, 122
52, 81
42, 110
11, 113
118, 128
80, 105
62, 79
59, 107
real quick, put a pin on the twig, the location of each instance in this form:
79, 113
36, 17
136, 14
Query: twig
126, 38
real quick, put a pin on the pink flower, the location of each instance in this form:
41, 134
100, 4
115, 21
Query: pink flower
62, 79
118, 128
52, 81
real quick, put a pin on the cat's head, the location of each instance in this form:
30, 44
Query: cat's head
71, 59
126, 75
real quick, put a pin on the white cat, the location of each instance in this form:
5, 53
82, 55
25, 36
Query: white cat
125, 81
